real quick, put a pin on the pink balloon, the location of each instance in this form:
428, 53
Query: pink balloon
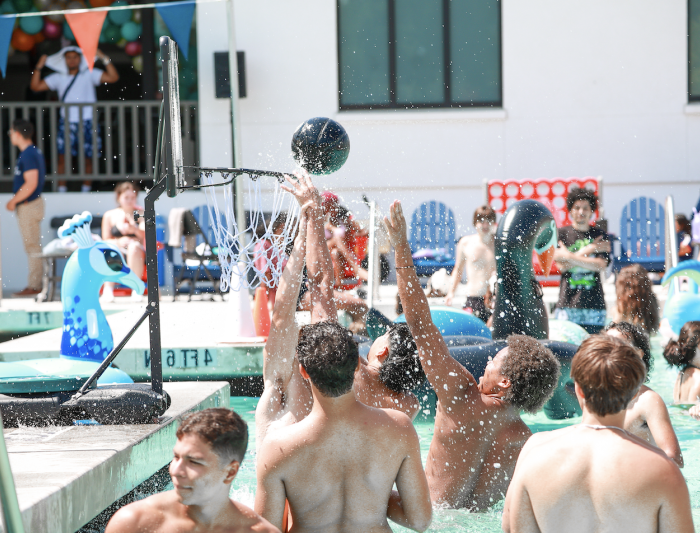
52, 30
133, 48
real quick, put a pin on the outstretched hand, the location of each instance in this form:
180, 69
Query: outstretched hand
303, 189
395, 225
42, 61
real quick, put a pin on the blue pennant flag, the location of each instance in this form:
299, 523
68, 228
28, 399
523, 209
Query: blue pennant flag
7, 24
178, 18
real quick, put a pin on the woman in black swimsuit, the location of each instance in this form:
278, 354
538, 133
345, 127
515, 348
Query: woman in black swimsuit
119, 228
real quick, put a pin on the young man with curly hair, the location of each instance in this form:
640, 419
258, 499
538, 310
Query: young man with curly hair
595, 476
583, 253
478, 430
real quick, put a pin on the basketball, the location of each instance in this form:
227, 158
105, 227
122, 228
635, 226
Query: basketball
320, 145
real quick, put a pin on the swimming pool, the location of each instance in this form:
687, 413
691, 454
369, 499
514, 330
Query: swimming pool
449, 521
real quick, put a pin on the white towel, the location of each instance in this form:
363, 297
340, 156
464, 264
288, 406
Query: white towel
176, 219
57, 61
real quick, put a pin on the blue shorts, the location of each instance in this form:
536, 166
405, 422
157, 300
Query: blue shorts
74, 137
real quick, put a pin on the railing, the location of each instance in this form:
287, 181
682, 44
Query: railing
126, 132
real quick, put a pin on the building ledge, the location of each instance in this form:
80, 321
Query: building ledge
422, 116
692, 108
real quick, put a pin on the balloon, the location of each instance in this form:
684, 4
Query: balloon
131, 31
76, 4
31, 25
55, 6
39, 38
121, 43
101, 3
22, 6
133, 48
42, 5
119, 16
52, 30
137, 62
21, 41
110, 33
7, 7
137, 16
67, 32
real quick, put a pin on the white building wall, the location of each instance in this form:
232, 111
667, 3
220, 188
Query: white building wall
593, 88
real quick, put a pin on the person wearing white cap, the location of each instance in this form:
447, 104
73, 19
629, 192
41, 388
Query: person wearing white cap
74, 83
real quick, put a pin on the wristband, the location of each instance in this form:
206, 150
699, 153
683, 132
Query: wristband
106, 60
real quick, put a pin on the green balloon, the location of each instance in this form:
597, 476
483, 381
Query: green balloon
24, 6
31, 25
131, 31
7, 7
119, 16
111, 33
67, 32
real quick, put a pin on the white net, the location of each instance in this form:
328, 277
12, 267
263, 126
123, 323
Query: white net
257, 253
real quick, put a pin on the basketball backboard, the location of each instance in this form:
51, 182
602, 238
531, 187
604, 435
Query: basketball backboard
172, 134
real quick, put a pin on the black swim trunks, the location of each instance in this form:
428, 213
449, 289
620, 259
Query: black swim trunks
476, 306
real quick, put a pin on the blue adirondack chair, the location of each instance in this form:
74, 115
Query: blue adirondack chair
642, 237
203, 272
433, 228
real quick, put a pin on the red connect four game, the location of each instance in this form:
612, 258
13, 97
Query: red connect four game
550, 191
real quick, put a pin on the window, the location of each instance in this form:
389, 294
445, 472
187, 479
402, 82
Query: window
419, 53
694, 50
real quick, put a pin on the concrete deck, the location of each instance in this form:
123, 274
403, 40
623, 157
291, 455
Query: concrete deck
195, 336
65, 476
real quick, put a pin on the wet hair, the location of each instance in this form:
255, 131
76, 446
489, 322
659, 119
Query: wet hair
581, 194
24, 128
329, 355
609, 372
223, 429
681, 352
684, 223
484, 212
401, 370
124, 186
636, 301
533, 371
639, 339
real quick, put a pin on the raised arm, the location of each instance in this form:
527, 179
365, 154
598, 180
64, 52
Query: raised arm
37, 84
410, 506
448, 378
319, 267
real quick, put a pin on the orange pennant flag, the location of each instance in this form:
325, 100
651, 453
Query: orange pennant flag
86, 28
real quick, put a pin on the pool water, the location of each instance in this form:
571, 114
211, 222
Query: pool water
448, 521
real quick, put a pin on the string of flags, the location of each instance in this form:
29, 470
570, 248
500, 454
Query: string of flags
107, 21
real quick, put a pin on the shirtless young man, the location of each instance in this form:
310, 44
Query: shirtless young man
337, 467
208, 453
647, 416
478, 253
478, 430
595, 476
392, 368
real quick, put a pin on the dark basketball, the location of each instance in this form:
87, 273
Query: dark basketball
320, 145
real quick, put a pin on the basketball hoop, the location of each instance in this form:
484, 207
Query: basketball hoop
255, 254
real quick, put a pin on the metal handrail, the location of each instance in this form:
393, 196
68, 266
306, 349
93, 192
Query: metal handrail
127, 131
12, 517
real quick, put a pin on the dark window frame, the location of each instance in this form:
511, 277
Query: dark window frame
446, 104
691, 97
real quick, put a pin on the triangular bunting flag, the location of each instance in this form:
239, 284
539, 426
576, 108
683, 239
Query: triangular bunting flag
178, 18
7, 24
86, 28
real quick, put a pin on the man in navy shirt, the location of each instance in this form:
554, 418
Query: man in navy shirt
27, 203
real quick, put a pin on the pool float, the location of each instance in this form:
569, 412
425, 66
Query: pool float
527, 225
681, 306
43, 391
451, 321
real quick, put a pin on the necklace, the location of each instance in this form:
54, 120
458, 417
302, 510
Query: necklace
596, 426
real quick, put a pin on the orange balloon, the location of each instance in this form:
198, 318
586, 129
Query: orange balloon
22, 41
39, 37
101, 3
